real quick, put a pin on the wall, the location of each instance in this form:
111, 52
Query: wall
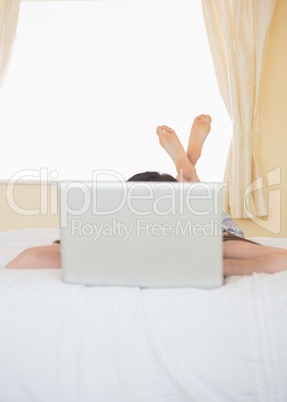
27, 197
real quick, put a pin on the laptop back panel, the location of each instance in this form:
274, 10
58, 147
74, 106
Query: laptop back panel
143, 234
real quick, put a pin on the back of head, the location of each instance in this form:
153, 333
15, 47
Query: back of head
152, 176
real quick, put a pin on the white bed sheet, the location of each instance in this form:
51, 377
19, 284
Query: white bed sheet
61, 342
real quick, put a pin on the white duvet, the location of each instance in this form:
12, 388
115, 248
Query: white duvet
69, 343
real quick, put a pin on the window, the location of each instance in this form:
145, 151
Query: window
89, 82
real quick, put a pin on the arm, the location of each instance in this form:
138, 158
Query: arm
38, 257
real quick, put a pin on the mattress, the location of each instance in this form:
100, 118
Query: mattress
62, 342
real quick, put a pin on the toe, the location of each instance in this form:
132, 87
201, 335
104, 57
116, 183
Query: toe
159, 130
204, 117
168, 129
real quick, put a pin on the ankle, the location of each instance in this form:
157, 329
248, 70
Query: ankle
194, 154
185, 168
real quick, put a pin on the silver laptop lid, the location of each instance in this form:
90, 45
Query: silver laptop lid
148, 234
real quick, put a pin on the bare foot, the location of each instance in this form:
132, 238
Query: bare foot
199, 132
171, 143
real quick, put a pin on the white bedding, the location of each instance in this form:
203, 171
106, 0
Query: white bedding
61, 342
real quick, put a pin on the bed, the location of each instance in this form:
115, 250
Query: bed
61, 342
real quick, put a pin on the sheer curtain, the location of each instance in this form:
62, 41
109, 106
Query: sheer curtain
9, 11
238, 37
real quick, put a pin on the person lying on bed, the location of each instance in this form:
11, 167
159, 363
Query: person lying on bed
240, 256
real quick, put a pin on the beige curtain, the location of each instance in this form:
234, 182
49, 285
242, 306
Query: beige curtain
9, 11
238, 36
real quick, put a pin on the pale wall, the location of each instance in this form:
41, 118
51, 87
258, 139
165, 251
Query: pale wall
27, 197
274, 146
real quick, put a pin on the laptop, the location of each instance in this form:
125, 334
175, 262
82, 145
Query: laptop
144, 234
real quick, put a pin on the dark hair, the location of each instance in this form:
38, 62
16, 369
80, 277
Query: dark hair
152, 176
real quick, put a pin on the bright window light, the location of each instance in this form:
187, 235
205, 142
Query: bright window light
89, 82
